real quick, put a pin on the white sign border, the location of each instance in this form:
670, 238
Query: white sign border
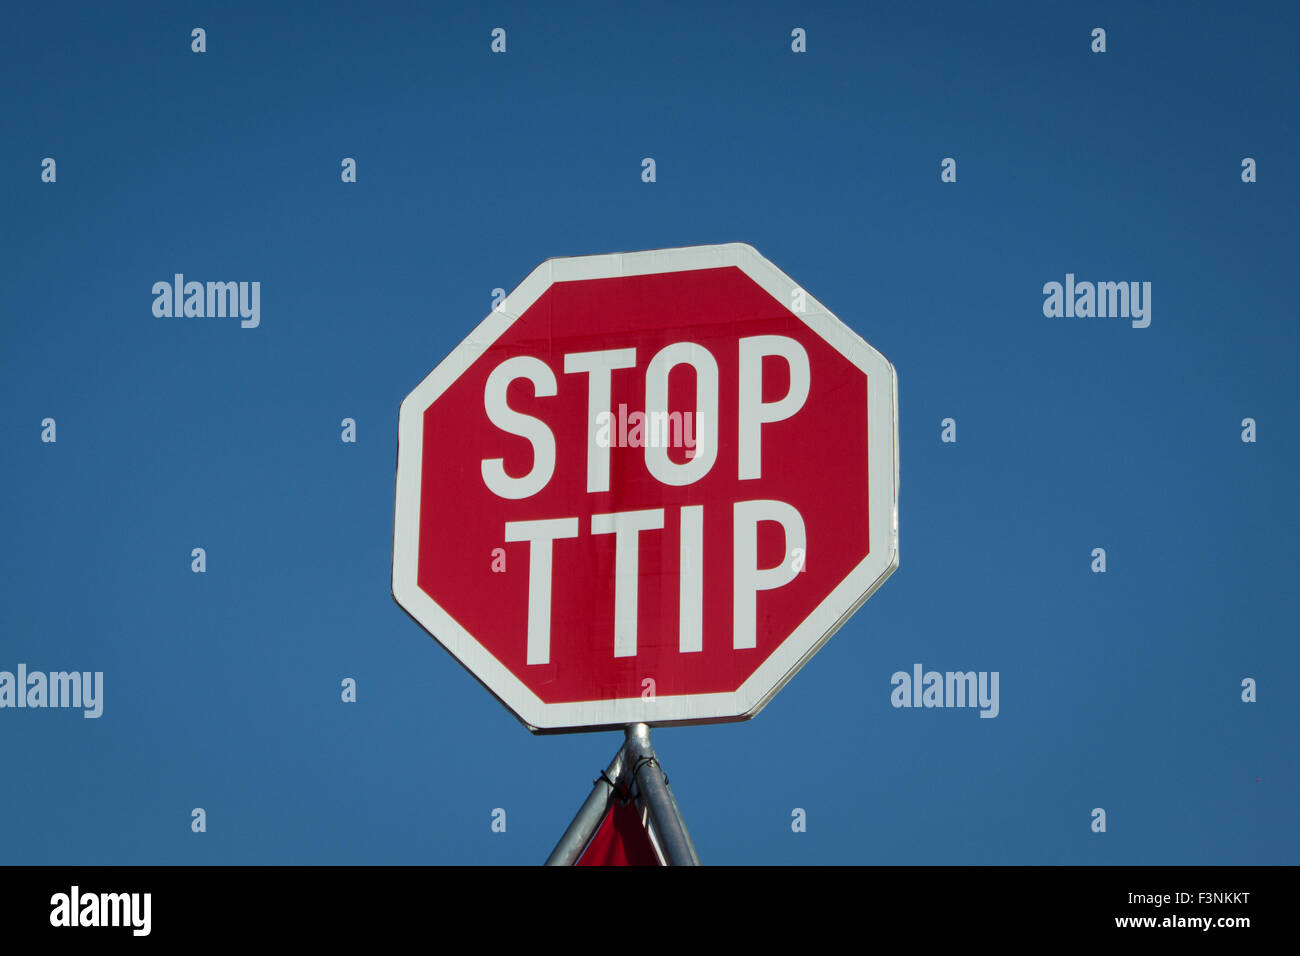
806, 639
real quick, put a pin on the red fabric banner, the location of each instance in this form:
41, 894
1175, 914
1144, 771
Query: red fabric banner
621, 840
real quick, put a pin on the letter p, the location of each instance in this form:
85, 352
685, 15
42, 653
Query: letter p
748, 577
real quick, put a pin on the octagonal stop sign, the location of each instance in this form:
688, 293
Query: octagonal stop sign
648, 487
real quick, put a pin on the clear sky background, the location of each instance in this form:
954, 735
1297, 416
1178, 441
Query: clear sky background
222, 690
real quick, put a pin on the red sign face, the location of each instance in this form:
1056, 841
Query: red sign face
647, 488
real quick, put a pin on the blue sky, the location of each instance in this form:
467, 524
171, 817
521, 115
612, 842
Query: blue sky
1118, 690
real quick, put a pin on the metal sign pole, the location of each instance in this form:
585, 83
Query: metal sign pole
590, 815
652, 787
635, 763
695, 856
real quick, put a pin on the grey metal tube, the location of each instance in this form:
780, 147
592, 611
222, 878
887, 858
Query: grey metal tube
690, 844
590, 815
653, 789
